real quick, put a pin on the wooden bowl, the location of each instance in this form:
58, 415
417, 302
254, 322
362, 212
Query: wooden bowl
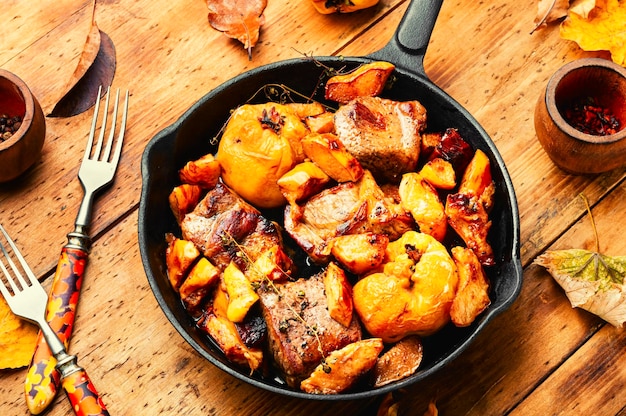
591, 80
23, 148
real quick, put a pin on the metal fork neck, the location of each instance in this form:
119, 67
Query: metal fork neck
79, 239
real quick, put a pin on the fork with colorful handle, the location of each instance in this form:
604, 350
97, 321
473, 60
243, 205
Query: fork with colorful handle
97, 170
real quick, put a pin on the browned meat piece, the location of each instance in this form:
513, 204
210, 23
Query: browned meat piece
300, 328
223, 225
348, 208
468, 217
384, 135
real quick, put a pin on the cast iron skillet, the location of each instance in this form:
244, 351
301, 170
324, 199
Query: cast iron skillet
190, 137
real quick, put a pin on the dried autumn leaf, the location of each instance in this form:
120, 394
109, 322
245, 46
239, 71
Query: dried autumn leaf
238, 19
602, 30
549, 11
591, 281
17, 339
96, 67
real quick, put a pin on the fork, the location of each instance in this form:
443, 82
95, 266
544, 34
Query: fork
28, 299
97, 170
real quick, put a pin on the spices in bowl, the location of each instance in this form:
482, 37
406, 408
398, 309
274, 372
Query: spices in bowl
580, 117
22, 127
9, 125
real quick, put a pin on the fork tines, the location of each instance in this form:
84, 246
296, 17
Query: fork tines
9, 268
96, 153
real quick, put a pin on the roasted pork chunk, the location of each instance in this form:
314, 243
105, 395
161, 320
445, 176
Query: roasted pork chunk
348, 208
383, 135
300, 329
226, 228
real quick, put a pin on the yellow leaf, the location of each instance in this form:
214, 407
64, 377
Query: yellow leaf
602, 30
17, 339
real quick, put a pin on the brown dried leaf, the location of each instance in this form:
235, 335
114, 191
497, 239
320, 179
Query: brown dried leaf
238, 19
549, 11
96, 67
591, 281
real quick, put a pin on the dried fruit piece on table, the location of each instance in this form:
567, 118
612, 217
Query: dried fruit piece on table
238, 19
601, 30
17, 339
96, 67
591, 281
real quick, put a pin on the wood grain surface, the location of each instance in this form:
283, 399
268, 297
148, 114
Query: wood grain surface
540, 357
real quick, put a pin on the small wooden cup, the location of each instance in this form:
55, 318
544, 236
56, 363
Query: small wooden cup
571, 149
23, 148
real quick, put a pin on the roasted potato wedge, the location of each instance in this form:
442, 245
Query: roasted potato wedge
180, 255
400, 361
343, 367
204, 172
327, 152
469, 218
183, 199
421, 199
321, 123
303, 181
338, 294
367, 80
472, 295
439, 173
477, 179
360, 253
274, 264
241, 295
224, 332
199, 282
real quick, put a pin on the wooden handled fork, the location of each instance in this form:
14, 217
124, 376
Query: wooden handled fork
28, 299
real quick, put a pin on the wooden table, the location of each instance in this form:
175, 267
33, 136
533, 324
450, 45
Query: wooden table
539, 357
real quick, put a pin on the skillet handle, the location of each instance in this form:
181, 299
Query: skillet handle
408, 46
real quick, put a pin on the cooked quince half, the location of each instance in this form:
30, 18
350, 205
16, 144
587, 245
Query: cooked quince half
303, 181
204, 172
367, 80
180, 255
327, 152
260, 144
359, 253
422, 201
338, 294
342, 368
414, 292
